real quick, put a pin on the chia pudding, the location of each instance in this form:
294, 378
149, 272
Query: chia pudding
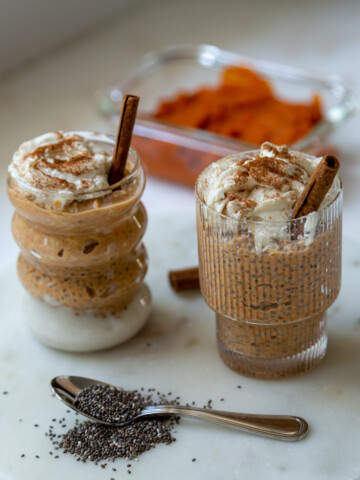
80, 238
269, 289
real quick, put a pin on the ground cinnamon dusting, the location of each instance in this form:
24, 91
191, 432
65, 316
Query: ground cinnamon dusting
39, 151
270, 172
76, 165
245, 202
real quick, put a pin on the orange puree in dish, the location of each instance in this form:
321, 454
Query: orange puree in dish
242, 106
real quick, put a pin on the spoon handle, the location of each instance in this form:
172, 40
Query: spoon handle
281, 427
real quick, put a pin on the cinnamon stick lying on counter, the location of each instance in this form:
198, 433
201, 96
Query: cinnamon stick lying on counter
185, 279
317, 187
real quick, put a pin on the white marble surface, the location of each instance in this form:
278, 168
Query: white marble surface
176, 352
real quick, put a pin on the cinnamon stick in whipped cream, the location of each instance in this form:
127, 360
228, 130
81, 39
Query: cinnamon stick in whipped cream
123, 139
317, 187
185, 279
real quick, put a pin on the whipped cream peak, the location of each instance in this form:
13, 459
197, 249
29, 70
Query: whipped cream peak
64, 164
261, 187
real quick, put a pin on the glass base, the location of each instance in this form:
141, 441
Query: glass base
59, 328
270, 352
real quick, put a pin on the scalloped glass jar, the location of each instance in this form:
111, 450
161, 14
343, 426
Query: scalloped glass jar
270, 285
85, 260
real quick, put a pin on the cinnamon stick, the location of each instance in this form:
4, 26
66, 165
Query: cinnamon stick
123, 139
185, 279
317, 187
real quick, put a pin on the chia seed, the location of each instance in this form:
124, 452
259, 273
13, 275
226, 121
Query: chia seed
89, 441
111, 404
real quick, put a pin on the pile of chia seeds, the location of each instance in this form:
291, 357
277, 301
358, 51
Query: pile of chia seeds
111, 404
99, 443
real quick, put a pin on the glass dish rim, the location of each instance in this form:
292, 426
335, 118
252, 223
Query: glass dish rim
154, 59
266, 223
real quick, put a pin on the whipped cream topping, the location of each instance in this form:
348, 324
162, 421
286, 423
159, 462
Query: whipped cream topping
263, 187
61, 165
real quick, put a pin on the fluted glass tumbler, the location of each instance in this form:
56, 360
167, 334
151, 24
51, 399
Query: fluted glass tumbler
270, 285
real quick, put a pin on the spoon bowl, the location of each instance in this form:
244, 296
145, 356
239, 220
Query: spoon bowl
67, 387
281, 427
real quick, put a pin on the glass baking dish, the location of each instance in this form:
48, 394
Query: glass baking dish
181, 153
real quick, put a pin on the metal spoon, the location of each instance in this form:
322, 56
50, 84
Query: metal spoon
280, 427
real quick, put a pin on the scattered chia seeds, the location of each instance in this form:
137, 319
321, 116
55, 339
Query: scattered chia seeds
96, 442
89, 441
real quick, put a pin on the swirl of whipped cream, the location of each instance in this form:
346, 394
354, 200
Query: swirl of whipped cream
261, 187
61, 163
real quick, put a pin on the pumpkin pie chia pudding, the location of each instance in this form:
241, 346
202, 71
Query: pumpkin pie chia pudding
268, 278
80, 239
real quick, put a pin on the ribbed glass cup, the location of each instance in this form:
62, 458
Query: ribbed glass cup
270, 285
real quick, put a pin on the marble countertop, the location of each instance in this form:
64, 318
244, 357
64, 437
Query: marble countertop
176, 352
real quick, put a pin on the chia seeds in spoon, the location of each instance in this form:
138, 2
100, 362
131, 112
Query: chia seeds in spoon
97, 442
111, 404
